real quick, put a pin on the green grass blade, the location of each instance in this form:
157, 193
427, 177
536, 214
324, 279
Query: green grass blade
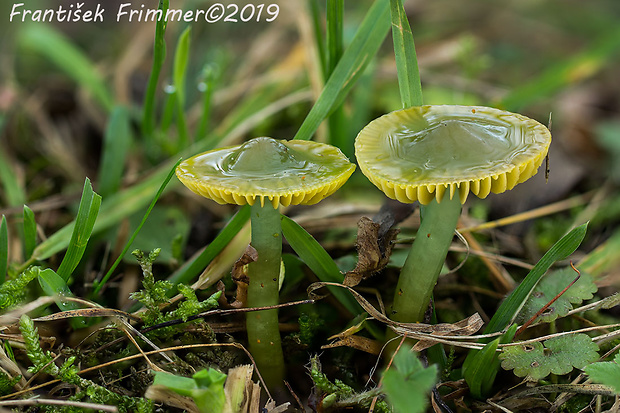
181, 57
193, 268
406, 60
13, 193
367, 40
116, 144
4, 249
210, 76
318, 260
84, 223
515, 301
319, 40
480, 369
159, 55
48, 42
335, 17
107, 276
30, 232
54, 285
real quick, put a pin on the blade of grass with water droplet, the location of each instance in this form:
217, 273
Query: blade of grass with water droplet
181, 57
159, 55
54, 285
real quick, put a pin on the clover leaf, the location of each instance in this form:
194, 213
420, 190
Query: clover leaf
549, 287
606, 372
558, 355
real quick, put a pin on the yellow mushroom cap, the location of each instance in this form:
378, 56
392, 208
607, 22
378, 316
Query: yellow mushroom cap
284, 172
422, 152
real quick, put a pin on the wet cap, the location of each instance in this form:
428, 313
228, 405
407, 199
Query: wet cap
427, 152
283, 172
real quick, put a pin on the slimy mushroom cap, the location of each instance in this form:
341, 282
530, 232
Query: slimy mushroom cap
283, 172
423, 152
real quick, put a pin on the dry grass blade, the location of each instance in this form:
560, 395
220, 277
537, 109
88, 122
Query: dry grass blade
426, 333
54, 402
534, 213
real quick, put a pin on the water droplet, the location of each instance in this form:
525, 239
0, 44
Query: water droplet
170, 89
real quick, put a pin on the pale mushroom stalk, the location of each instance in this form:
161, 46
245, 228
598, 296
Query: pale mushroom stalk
262, 326
425, 259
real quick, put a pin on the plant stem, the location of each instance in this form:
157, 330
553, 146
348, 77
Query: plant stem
262, 326
425, 260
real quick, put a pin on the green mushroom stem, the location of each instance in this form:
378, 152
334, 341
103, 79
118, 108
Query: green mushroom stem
425, 260
263, 290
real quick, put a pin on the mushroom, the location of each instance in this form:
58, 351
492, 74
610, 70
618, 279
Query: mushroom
437, 155
266, 173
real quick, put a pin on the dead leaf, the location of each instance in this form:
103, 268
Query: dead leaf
364, 344
373, 251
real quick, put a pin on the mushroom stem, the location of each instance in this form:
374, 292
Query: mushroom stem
263, 290
425, 260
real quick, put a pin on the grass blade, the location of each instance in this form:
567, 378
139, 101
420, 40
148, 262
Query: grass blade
159, 55
406, 60
54, 285
99, 285
4, 249
181, 57
84, 223
30, 232
512, 305
48, 42
480, 369
318, 260
356, 57
335, 17
13, 193
210, 75
116, 144
192, 268
315, 14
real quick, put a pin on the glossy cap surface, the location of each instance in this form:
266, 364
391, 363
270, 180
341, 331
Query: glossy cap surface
424, 152
283, 172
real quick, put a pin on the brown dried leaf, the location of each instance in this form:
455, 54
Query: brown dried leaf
373, 251
357, 342
239, 275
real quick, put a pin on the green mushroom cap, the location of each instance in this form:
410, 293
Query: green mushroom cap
284, 172
422, 152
